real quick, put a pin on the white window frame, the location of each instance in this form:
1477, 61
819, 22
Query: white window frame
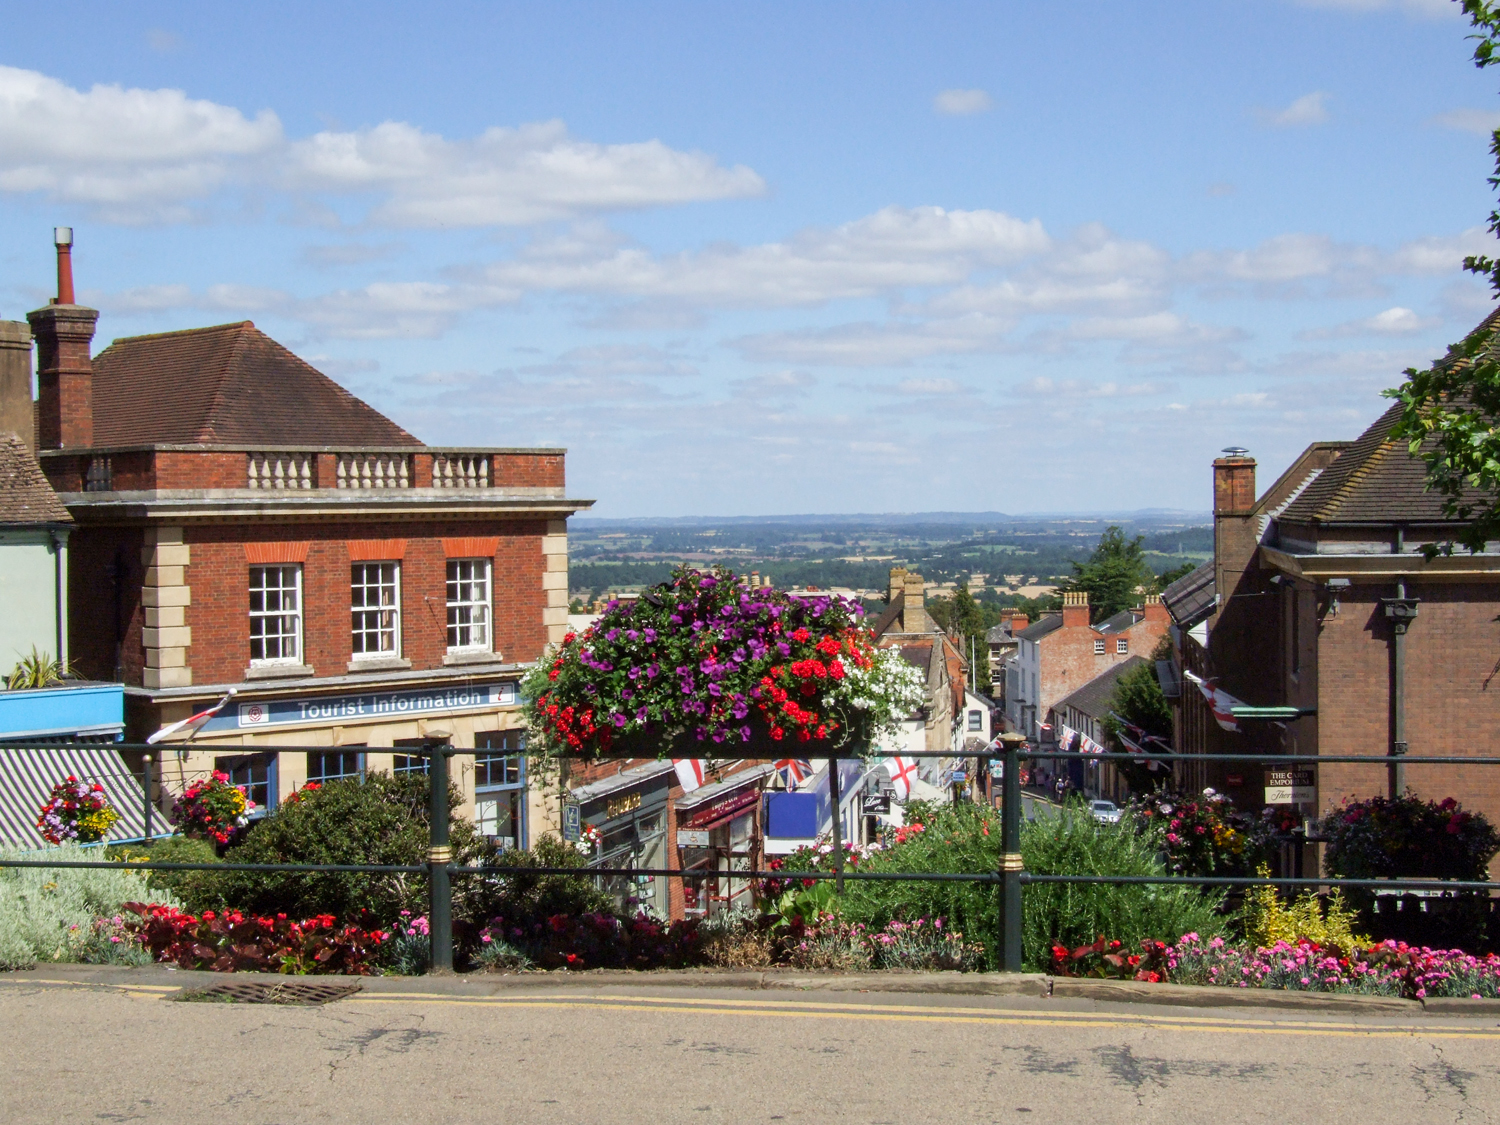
458, 606
1122, 645
1099, 646
360, 633
265, 615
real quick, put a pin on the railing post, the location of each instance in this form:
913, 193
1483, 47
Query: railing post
146, 811
838, 835
1010, 857
439, 855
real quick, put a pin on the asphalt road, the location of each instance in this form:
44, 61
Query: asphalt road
415, 1051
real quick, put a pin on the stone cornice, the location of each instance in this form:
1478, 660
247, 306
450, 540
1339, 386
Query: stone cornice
1381, 568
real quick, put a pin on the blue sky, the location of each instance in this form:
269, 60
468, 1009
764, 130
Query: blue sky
746, 259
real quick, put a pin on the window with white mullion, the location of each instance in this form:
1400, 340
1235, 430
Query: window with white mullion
468, 604
275, 614
375, 600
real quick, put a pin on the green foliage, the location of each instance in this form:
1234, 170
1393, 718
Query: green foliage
967, 838
1173, 573
1138, 700
523, 899
968, 619
38, 670
171, 849
1379, 838
1112, 574
48, 914
1266, 919
1449, 412
382, 820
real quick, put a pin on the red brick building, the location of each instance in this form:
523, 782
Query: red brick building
1058, 654
1318, 598
245, 523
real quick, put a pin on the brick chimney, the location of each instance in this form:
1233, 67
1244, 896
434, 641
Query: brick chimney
16, 414
1018, 621
1234, 525
1155, 610
914, 617
1075, 608
65, 373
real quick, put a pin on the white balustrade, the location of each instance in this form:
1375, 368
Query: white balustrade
278, 471
460, 470
373, 470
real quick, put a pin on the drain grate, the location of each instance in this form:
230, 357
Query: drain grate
272, 992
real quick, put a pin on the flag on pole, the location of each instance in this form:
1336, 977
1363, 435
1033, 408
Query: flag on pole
794, 771
903, 772
1220, 702
192, 724
691, 772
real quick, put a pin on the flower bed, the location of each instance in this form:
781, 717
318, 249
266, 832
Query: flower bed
213, 809
229, 941
707, 659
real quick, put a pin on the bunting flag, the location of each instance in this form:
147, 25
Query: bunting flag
1064, 736
192, 724
691, 772
1220, 702
1089, 746
903, 772
794, 771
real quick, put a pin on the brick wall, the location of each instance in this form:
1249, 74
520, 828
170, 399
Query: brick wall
1068, 660
1452, 692
218, 574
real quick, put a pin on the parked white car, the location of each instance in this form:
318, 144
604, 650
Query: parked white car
1105, 812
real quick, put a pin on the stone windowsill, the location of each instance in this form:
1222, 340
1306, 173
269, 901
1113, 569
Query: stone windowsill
471, 656
378, 664
278, 671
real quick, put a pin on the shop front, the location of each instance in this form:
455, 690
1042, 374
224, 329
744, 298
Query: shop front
346, 734
629, 813
718, 833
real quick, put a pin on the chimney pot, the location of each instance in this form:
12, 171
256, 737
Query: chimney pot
1075, 608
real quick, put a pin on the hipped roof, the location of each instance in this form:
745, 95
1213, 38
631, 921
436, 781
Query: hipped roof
229, 384
25, 496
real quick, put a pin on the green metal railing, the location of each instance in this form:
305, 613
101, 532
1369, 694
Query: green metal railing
1009, 879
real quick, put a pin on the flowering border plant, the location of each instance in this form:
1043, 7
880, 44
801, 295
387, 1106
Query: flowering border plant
1201, 835
707, 658
75, 811
230, 941
213, 808
1379, 837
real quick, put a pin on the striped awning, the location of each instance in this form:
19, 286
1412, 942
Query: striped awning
27, 777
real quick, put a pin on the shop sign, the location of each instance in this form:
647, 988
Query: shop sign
619, 806
720, 809
689, 838
877, 802
572, 826
1290, 786
364, 708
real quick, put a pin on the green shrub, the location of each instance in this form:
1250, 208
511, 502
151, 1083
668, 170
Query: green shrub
524, 899
48, 914
172, 849
966, 838
380, 820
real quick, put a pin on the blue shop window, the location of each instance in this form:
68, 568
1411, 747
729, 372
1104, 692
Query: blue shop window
335, 765
408, 763
257, 773
500, 787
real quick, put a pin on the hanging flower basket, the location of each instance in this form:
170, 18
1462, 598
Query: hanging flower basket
707, 664
213, 809
75, 812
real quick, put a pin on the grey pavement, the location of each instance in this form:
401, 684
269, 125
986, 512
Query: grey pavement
116, 1046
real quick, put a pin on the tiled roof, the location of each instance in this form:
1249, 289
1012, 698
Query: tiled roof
1038, 630
1191, 598
1375, 480
1119, 622
25, 495
998, 634
231, 384
1093, 698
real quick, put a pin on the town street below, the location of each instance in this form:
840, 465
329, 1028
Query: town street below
491, 1050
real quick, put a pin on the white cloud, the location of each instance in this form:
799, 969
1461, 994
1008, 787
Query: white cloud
895, 248
1396, 321
507, 176
1309, 109
133, 153
962, 103
1427, 8
930, 387
140, 155
1041, 386
867, 344
1484, 121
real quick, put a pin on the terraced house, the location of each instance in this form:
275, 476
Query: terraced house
245, 524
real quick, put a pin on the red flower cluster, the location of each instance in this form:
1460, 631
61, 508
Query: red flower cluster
230, 941
1108, 960
75, 810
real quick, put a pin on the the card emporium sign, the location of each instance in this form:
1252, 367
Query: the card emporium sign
1290, 786
364, 708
